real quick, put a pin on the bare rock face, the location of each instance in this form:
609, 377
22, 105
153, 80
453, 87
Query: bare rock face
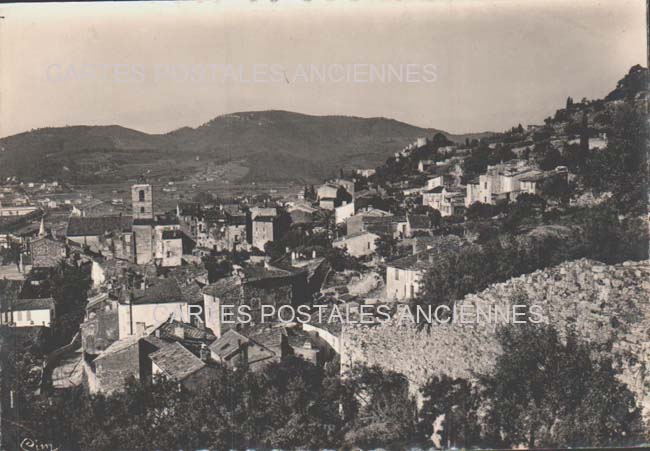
603, 304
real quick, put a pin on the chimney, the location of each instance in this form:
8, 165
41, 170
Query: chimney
204, 352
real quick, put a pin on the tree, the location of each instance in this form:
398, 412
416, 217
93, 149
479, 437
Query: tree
386, 410
569, 102
458, 401
548, 390
479, 210
386, 247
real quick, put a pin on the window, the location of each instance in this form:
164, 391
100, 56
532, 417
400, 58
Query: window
28, 315
19, 316
396, 274
141, 209
169, 254
141, 195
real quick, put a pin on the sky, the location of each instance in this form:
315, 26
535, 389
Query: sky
158, 66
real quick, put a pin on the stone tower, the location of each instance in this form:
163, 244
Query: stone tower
142, 201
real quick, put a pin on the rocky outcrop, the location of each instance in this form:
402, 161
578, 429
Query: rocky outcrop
604, 304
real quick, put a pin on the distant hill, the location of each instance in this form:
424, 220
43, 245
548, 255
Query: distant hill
274, 145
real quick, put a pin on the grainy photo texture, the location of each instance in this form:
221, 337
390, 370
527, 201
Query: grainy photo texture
320, 225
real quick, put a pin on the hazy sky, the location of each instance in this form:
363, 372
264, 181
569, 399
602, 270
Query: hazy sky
496, 63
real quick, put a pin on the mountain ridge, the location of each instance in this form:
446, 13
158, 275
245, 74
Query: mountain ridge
274, 144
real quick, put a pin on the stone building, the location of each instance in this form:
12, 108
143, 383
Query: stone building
47, 252
254, 287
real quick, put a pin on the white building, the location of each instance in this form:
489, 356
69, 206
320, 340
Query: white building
343, 212
358, 244
143, 308
28, 312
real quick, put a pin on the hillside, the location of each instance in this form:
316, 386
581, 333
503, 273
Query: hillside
274, 145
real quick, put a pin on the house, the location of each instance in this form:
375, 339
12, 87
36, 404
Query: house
448, 202
175, 362
46, 252
16, 210
500, 181
235, 232
155, 302
358, 244
417, 224
301, 213
171, 253
254, 287
532, 183
108, 372
100, 328
172, 349
257, 346
343, 212
268, 228
27, 312
361, 221
326, 191
404, 276
445, 180
235, 350
331, 195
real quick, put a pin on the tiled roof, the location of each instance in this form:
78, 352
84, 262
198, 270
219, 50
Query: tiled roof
161, 291
228, 344
94, 226
165, 220
428, 258
222, 286
29, 304
176, 361
262, 218
118, 346
169, 329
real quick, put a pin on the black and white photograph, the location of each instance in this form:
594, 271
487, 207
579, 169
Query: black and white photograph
324, 225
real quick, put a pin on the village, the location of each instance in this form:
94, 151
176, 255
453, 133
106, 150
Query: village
128, 290
326, 243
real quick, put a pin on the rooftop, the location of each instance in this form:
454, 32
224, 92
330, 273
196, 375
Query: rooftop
161, 291
428, 258
28, 304
95, 226
176, 361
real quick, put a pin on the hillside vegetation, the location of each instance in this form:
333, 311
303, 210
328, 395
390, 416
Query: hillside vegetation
275, 145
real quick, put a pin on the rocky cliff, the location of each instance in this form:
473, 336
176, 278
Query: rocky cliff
605, 304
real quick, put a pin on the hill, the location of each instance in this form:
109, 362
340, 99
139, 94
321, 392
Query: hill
274, 145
